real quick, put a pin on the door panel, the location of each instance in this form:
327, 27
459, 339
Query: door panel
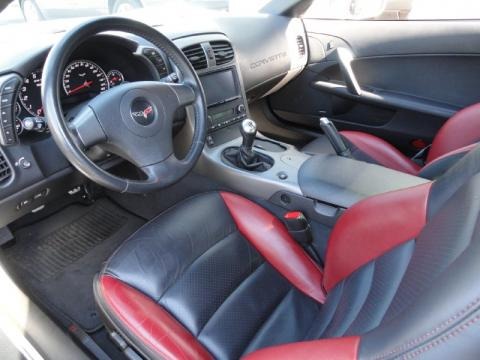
413, 75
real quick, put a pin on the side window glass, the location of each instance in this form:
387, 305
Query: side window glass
394, 9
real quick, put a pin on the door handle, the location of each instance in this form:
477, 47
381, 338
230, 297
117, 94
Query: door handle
345, 58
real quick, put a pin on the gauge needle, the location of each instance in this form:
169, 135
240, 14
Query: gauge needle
80, 87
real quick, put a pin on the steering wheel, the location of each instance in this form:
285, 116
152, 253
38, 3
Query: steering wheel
132, 120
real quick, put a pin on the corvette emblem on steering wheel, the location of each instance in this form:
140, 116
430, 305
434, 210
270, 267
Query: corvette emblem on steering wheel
142, 112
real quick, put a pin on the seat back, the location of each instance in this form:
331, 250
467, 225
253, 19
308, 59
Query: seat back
435, 313
419, 297
461, 130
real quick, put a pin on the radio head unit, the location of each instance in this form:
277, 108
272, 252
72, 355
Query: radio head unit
226, 104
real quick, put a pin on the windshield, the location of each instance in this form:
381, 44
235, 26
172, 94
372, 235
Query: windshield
28, 11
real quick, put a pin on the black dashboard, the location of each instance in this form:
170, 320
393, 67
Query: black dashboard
237, 59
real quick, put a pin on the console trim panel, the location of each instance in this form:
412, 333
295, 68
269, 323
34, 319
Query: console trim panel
263, 185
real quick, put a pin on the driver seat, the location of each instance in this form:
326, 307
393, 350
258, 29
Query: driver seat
218, 276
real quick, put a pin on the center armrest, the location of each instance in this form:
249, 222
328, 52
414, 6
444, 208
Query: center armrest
342, 181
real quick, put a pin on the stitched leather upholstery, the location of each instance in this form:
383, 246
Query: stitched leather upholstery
417, 299
194, 263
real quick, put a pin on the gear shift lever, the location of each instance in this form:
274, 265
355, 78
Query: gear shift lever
331, 132
244, 157
248, 129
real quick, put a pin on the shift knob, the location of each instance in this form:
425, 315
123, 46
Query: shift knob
331, 132
248, 129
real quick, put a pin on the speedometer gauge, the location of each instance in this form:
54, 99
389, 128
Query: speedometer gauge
84, 77
29, 94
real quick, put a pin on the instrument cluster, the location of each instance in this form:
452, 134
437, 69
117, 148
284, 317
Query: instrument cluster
82, 80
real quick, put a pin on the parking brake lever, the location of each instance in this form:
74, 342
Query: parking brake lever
331, 132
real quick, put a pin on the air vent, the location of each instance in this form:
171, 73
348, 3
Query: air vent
5, 171
196, 55
300, 45
223, 51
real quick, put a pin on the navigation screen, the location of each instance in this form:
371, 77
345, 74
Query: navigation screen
219, 87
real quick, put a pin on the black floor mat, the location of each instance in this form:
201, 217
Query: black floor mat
57, 258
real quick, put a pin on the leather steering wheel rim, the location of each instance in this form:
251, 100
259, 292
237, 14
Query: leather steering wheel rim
167, 170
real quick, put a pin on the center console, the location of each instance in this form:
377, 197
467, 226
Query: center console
227, 108
244, 160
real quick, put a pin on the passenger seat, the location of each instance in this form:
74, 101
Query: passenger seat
455, 138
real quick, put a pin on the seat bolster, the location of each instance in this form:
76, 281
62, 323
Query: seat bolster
271, 239
460, 130
381, 151
329, 349
372, 227
441, 164
145, 323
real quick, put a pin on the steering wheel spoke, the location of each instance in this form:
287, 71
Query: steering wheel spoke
184, 93
165, 171
87, 129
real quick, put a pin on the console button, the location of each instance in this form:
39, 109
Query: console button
9, 140
7, 99
10, 86
8, 131
24, 163
6, 116
37, 196
210, 141
26, 202
157, 60
241, 109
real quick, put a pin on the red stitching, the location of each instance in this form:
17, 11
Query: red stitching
430, 333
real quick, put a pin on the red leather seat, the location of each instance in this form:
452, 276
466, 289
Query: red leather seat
218, 276
456, 137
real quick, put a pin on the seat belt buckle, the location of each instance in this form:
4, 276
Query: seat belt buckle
421, 156
298, 227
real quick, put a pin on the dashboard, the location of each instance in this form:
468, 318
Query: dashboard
257, 55
87, 74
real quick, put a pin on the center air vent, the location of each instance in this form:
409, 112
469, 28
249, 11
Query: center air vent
196, 55
222, 51
5, 171
300, 45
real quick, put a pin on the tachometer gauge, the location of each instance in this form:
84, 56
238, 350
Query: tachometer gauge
115, 77
84, 77
30, 95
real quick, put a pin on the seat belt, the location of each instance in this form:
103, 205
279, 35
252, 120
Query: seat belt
299, 228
